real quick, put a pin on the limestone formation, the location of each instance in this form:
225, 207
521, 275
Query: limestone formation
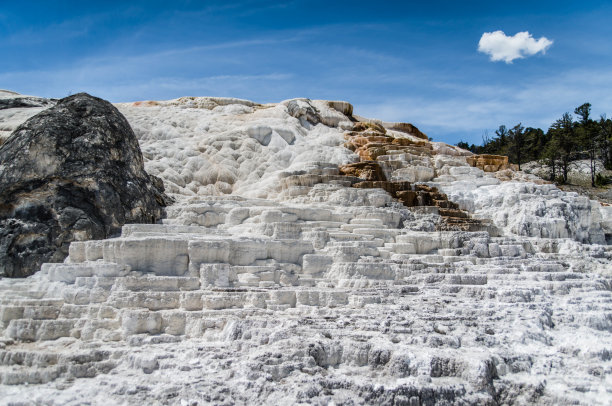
366, 170
72, 172
290, 271
490, 163
370, 141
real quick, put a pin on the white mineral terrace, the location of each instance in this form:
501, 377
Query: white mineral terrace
273, 281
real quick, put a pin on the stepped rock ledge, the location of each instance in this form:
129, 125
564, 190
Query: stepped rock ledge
296, 253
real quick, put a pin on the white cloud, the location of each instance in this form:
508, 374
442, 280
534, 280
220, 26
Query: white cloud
508, 48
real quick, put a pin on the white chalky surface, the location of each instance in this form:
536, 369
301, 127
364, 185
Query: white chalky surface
11, 118
271, 281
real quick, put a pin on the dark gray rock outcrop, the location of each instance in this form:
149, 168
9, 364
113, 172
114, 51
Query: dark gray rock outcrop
25, 102
72, 172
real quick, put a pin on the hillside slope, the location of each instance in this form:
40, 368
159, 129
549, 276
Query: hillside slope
315, 257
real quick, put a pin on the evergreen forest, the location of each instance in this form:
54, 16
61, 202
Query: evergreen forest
568, 139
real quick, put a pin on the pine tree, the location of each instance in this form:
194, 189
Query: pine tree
535, 143
516, 137
583, 111
589, 137
550, 158
563, 133
605, 133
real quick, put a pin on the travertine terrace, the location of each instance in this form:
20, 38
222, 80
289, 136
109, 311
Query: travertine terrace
316, 257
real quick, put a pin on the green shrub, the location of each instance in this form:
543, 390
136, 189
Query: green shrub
601, 180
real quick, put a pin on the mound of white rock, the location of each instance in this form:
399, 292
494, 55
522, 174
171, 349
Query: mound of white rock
274, 280
528, 208
215, 146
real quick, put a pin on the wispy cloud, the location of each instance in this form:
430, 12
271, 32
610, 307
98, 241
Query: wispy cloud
165, 73
263, 68
64, 30
501, 47
104, 82
225, 85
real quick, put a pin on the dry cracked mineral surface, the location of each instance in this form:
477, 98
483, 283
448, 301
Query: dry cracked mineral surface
312, 256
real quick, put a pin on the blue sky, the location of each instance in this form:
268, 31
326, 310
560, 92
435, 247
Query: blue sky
397, 61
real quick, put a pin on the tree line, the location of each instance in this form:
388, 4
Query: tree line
566, 140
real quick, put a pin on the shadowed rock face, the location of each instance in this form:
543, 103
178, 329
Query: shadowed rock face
367, 170
25, 102
72, 172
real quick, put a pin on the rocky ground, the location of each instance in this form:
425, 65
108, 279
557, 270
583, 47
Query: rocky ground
315, 257
602, 194
579, 179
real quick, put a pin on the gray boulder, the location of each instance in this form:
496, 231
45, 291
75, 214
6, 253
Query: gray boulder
72, 172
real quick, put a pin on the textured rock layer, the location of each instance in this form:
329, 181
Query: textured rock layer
315, 257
